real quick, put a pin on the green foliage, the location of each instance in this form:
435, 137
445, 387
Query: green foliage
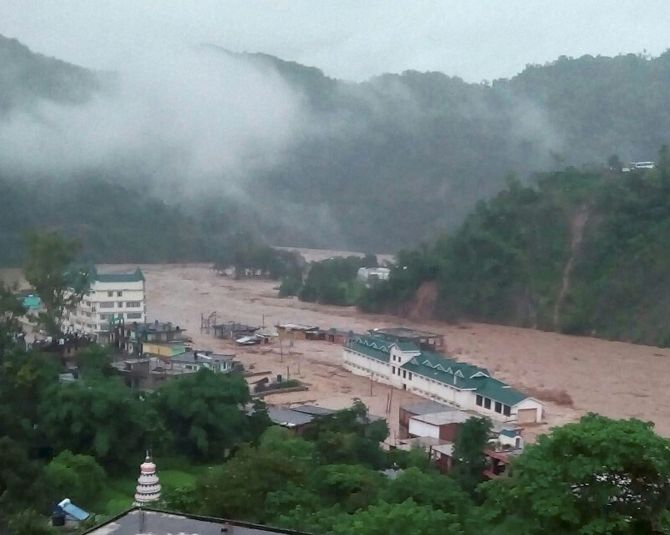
595, 476
394, 176
30, 522
469, 461
49, 270
20, 485
238, 489
11, 309
333, 281
101, 417
351, 486
250, 257
24, 380
349, 436
78, 477
290, 286
398, 519
94, 361
203, 412
431, 489
581, 252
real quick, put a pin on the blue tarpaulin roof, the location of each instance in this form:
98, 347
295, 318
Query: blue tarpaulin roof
72, 510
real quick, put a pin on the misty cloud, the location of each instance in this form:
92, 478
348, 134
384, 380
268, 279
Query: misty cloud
196, 116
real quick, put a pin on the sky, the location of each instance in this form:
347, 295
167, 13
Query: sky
474, 39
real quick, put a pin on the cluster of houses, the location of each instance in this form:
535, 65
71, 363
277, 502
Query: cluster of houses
435, 427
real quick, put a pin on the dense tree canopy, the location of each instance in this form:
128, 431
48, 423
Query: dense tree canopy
595, 476
580, 251
204, 412
50, 270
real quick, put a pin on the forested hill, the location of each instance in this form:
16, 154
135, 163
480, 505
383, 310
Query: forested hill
383, 163
26, 78
582, 252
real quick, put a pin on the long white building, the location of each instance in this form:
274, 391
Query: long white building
429, 374
112, 297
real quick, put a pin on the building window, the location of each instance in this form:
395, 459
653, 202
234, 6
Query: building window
393, 370
104, 316
487, 403
479, 400
507, 410
119, 304
107, 304
404, 374
119, 294
498, 407
410, 376
110, 294
133, 315
133, 304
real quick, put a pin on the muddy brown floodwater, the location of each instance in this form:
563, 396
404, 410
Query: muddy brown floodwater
572, 375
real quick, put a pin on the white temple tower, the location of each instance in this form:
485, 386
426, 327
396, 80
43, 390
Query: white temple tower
148, 488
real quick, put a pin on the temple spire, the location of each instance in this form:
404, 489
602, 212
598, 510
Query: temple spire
148, 488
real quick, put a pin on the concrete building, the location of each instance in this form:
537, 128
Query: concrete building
112, 298
406, 365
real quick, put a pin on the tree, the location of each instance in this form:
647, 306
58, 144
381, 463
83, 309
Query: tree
24, 381
30, 522
350, 486
203, 412
280, 440
432, 489
469, 461
238, 488
49, 270
398, 519
102, 418
78, 477
94, 361
20, 484
349, 436
597, 476
10, 326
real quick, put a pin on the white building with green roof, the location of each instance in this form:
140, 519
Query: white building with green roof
112, 298
432, 375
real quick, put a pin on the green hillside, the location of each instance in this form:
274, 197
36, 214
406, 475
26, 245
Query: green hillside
386, 163
578, 251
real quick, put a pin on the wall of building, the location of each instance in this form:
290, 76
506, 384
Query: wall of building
392, 373
106, 300
360, 364
423, 429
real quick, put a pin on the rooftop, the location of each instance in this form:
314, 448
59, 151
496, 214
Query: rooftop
313, 410
426, 407
151, 521
190, 357
443, 418
437, 367
157, 327
288, 417
124, 276
404, 333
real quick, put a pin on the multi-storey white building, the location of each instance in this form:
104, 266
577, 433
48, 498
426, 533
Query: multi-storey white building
405, 365
112, 298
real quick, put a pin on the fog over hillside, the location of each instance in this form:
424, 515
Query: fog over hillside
310, 160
